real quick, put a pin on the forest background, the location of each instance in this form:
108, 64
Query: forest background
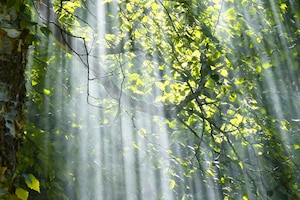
201, 95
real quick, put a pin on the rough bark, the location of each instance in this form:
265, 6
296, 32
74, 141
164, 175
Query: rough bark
13, 52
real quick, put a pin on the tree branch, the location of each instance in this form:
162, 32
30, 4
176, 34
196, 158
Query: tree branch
77, 45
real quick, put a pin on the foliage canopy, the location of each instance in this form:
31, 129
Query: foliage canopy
220, 77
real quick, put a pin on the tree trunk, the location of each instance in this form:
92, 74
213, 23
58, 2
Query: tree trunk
13, 51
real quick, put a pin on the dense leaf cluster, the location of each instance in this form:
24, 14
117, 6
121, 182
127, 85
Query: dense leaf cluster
221, 78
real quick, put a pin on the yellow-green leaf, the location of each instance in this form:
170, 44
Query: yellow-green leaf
142, 132
47, 92
154, 6
283, 7
110, 37
241, 165
135, 145
245, 197
33, 183
210, 172
237, 120
232, 97
33, 83
172, 184
22, 194
231, 13
223, 72
266, 65
129, 8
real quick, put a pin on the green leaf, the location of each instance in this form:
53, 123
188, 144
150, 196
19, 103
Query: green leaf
22, 194
46, 31
205, 70
32, 182
215, 77
31, 38
26, 177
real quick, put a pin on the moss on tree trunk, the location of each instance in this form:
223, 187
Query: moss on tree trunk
13, 52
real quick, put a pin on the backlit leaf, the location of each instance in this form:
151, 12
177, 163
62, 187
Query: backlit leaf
22, 194
241, 165
172, 184
266, 65
33, 183
296, 146
47, 92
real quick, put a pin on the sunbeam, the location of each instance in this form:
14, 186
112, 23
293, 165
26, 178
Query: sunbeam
158, 99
